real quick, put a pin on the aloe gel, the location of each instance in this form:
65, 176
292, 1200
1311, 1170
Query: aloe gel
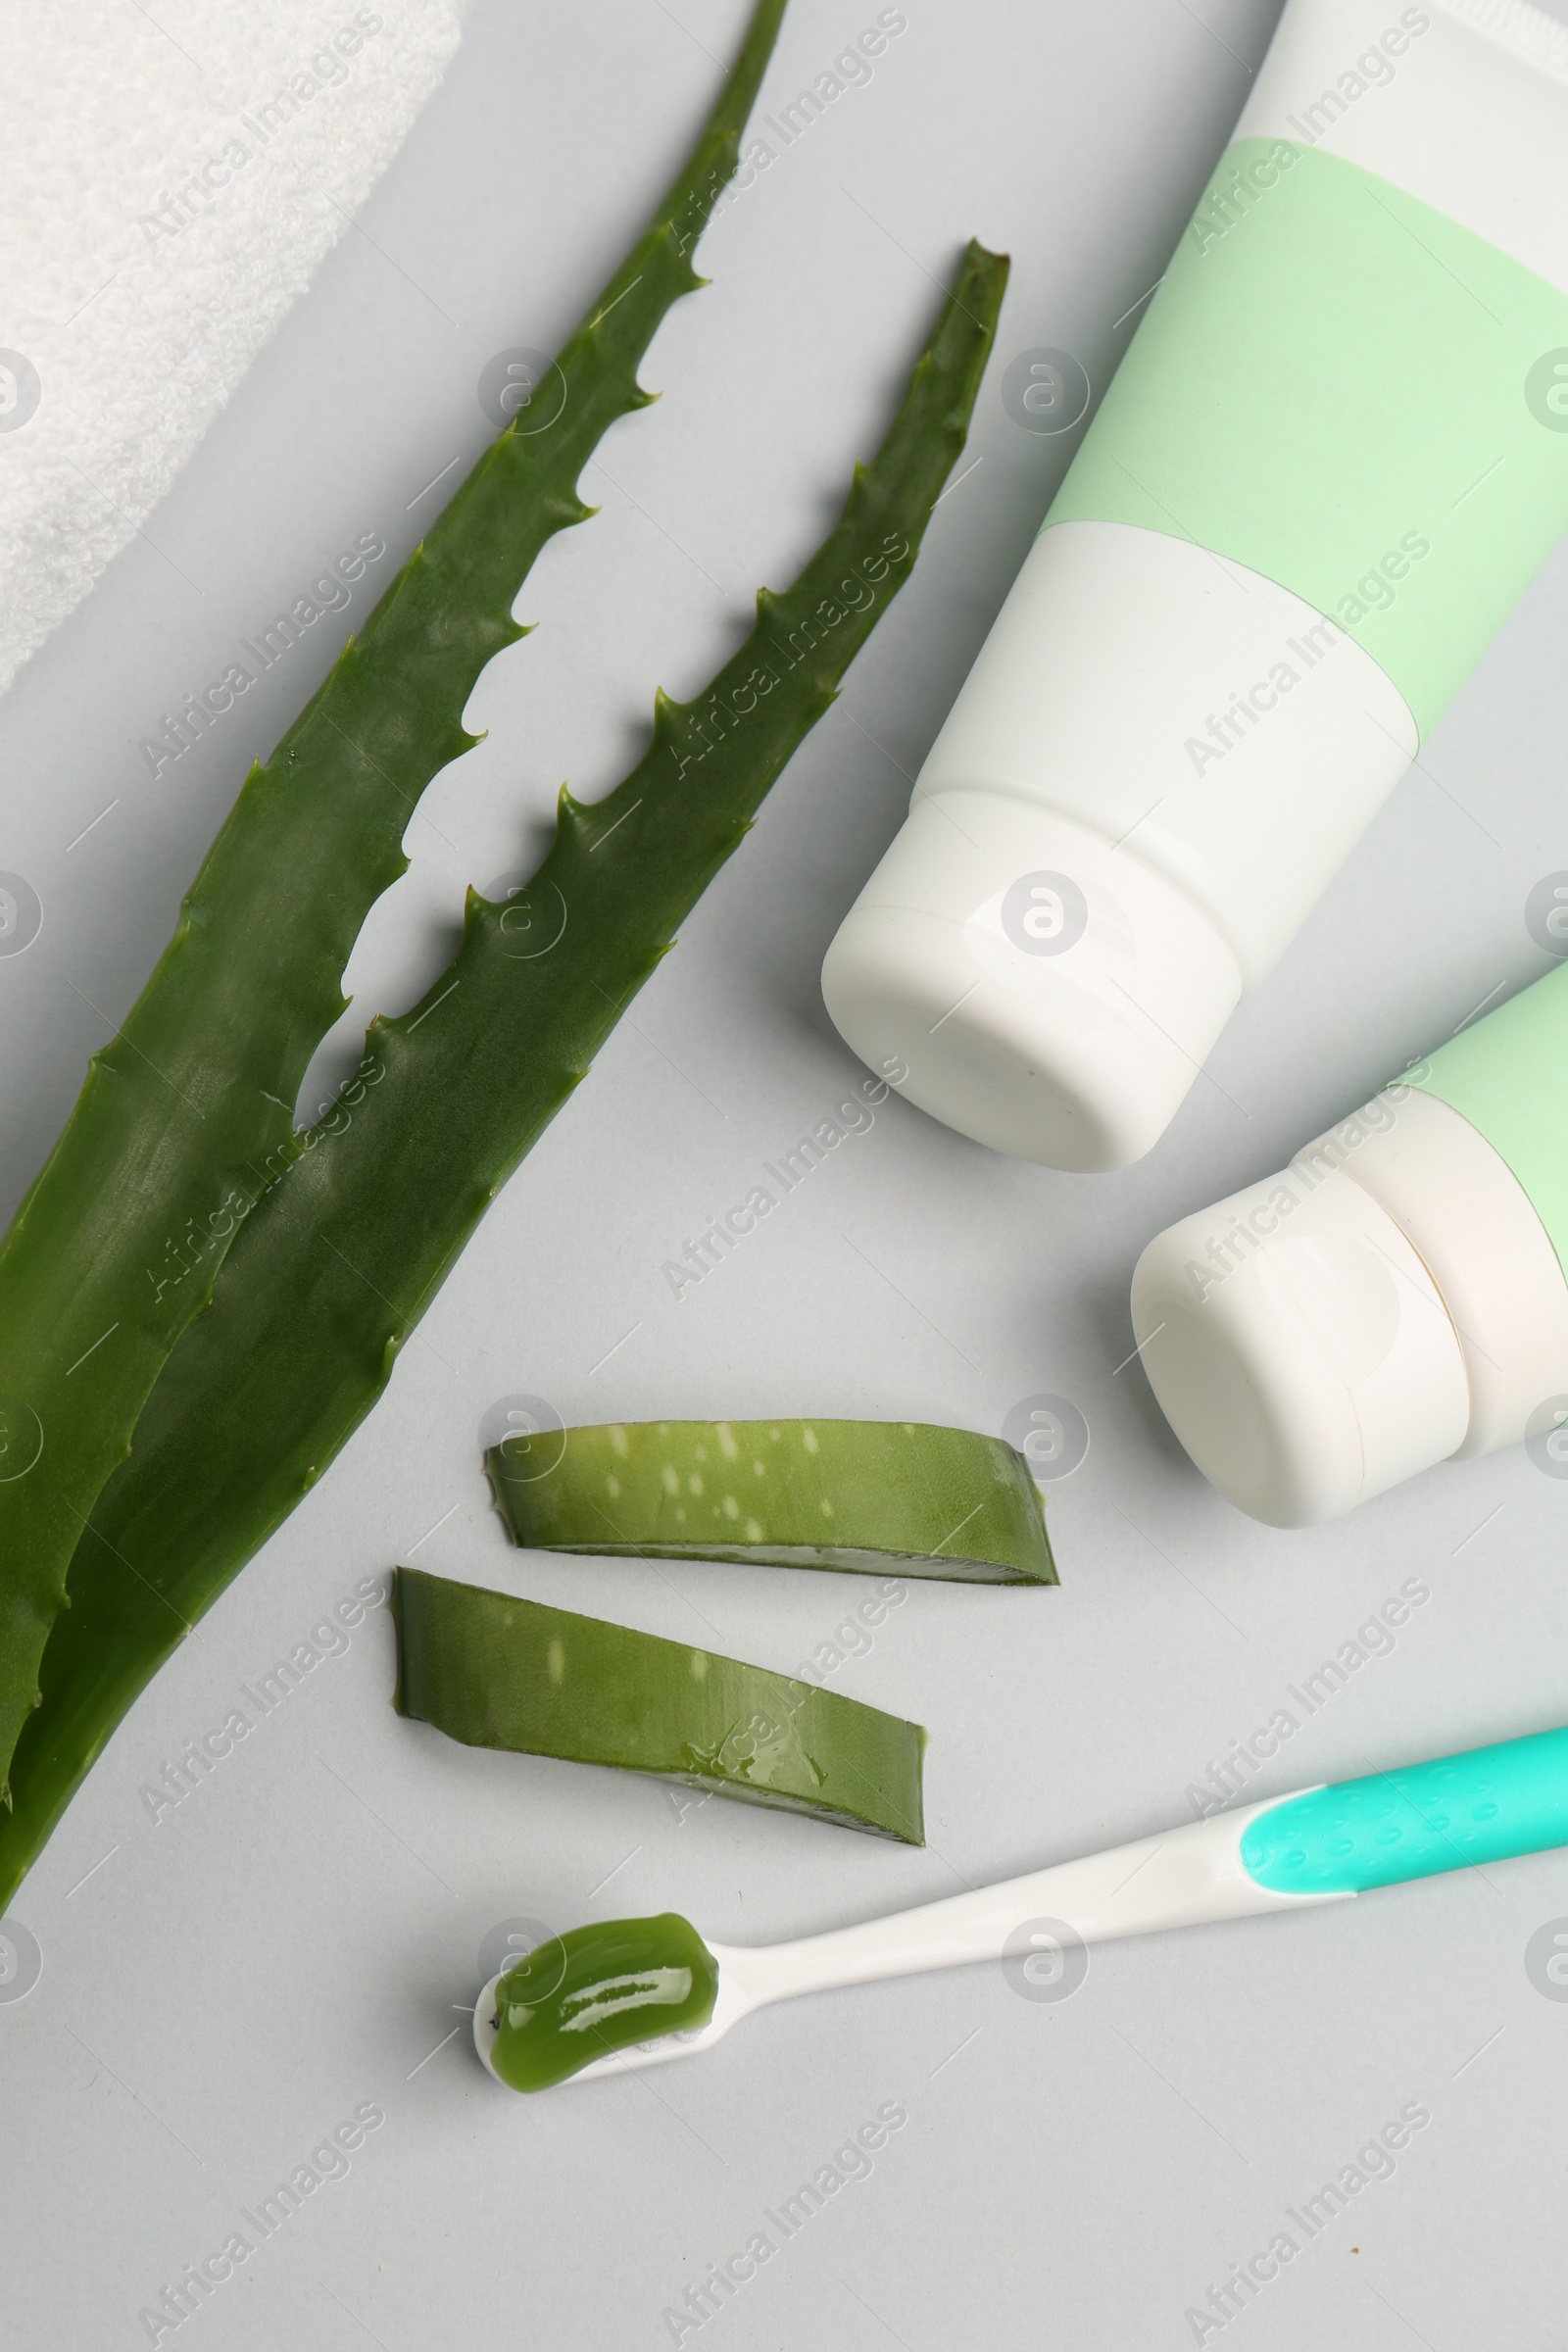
598, 1989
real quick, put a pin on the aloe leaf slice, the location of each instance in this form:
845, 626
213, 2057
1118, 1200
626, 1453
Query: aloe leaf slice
186, 1118
494, 1672
332, 1271
863, 1495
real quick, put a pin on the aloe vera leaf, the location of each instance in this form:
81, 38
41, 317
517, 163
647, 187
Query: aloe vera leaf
856, 1494
187, 1116
594, 1990
494, 1672
336, 1265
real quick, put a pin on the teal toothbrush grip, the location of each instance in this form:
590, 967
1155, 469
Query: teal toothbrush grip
1482, 1806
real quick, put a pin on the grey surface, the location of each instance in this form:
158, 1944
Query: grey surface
221, 1988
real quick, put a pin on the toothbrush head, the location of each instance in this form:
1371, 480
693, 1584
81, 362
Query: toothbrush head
621, 1993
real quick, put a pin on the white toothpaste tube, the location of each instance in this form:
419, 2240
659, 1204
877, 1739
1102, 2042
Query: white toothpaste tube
1334, 456
1394, 1298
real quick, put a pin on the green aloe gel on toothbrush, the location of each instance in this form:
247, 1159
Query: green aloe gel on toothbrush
596, 1990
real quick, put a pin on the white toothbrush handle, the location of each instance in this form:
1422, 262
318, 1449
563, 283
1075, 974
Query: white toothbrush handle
1182, 1878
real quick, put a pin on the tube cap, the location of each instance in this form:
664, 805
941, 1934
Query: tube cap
1299, 1349
1038, 989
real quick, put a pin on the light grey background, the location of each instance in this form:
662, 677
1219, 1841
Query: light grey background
222, 1986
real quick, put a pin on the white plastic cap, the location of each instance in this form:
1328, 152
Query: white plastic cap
1299, 1349
1027, 982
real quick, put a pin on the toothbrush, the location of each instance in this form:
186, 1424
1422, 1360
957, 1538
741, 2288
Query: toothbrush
1288, 1853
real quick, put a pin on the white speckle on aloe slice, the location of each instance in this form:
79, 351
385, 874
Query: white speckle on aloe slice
827, 1508
699, 1665
671, 1479
556, 1661
726, 1441
619, 1443
698, 1453
754, 1531
809, 1440
732, 1509
611, 1485
694, 1484
757, 1471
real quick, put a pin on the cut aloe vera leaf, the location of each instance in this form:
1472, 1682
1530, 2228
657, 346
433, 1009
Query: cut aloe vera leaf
333, 1269
494, 1672
184, 1125
594, 1990
857, 1494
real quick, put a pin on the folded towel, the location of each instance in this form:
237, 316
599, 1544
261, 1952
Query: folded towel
171, 178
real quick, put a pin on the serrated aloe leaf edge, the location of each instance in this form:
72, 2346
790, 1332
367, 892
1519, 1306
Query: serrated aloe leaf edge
186, 1116
326, 1278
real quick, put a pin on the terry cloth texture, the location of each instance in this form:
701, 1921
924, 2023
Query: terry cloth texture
170, 180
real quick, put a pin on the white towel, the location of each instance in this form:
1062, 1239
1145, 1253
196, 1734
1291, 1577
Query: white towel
169, 178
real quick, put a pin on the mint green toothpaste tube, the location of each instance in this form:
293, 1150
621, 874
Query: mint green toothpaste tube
1333, 457
1394, 1298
